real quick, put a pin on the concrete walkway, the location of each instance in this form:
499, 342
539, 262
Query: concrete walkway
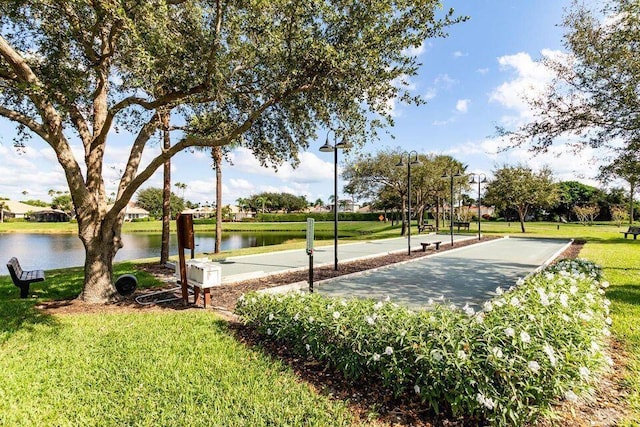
245, 267
468, 275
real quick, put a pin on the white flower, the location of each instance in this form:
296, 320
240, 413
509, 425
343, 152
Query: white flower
253, 300
534, 366
485, 401
268, 331
601, 291
571, 396
387, 298
343, 302
376, 357
437, 356
430, 301
584, 316
606, 302
525, 337
564, 300
241, 299
499, 291
604, 284
573, 290
548, 275
550, 353
296, 317
584, 372
480, 318
308, 347
311, 319
271, 316
515, 302
594, 347
509, 332
462, 355
606, 332
370, 320
544, 298
566, 318
378, 305
388, 351
520, 281
497, 352
488, 306
609, 360
336, 315
608, 321
468, 310
416, 388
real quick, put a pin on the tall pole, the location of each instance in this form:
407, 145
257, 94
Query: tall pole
451, 214
479, 208
335, 208
409, 204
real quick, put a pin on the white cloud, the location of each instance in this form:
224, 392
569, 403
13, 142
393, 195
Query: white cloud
482, 71
531, 78
462, 105
459, 54
416, 51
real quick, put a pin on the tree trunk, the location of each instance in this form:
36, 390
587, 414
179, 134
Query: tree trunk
166, 192
631, 190
522, 213
438, 214
216, 155
98, 267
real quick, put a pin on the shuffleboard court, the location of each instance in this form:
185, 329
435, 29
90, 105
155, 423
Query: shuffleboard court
469, 275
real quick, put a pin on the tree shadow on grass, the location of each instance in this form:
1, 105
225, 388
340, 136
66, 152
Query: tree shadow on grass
626, 294
17, 314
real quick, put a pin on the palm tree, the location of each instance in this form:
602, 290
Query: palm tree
216, 156
262, 200
181, 186
166, 188
3, 207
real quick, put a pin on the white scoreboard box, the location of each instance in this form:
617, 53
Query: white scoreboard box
203, 272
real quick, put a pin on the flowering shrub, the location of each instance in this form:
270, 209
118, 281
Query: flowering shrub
538, 341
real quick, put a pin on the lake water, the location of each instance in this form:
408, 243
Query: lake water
50, 251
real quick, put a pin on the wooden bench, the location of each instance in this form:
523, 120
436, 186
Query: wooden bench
635, 230
424, 227
459, 224
426, 245
21, 278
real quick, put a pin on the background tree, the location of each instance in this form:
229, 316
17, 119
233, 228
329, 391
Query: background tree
3, 207
587, 213
151, 199
619, 214
626, 167
272, 72
520, 188
63, 202
594, 93
574, 193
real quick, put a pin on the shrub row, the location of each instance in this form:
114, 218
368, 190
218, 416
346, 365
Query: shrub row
530, 345
329, 216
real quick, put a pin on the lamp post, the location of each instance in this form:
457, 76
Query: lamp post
327, 148
451, 175
482, 178
410, 162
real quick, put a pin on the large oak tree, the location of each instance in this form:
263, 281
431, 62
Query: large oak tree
267, 73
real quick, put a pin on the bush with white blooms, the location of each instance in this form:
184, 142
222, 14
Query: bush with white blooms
540, 341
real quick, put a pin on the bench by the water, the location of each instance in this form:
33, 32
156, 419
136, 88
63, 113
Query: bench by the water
635, 230
426, 245
21, 278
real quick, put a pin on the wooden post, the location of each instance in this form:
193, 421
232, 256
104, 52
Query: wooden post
184, 225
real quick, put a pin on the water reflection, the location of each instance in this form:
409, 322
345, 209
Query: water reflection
49, 251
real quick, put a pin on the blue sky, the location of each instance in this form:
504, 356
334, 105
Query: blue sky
473, 81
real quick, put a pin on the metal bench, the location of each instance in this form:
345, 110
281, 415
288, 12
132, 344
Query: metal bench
635, 230
426, 245
21, 278
461, 224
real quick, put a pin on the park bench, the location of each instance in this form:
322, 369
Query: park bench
21, 278
459, 224
632, 230
424, 227
427, 245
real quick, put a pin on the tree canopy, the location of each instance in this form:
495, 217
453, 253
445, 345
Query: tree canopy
268, 74
594, 94
151, 199
522, 189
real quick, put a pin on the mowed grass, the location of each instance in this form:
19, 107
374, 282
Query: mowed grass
178, 368
150, 369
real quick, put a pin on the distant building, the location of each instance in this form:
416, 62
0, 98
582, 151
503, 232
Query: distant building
18, 209
49, 215
132, 212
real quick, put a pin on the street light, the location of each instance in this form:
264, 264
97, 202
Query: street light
451, 175
327, 148
482, 179
410, 162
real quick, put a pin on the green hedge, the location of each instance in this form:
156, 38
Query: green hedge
329, 216
538, 342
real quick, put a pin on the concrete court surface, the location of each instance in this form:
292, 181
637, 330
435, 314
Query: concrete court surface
252, 266
468, 275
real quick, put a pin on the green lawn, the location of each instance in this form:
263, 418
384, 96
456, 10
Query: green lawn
185, 367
